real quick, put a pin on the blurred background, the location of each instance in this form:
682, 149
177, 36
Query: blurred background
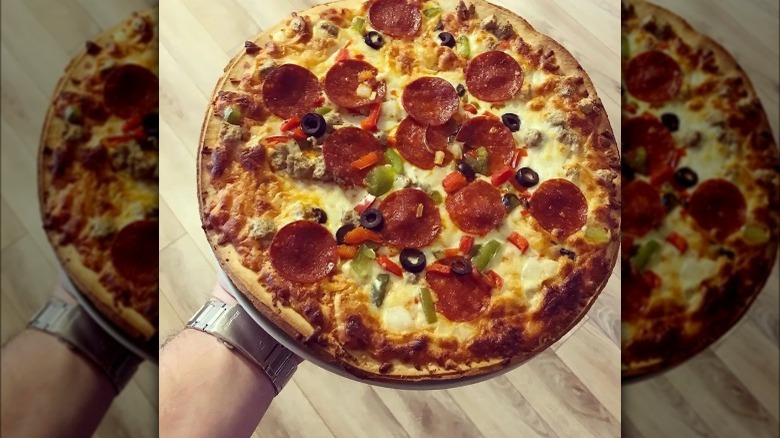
572, 389
731, 388
39, 38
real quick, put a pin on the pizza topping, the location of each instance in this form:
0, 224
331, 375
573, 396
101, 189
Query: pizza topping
527, 177
361, 235
411, 143
677, 241
505, 174
430, 100
402, 226
671, 121
244, 104
460, 266
460, 297
303, 252
379, 289
756, 234
345, 146
718, 205
389, 265
73, 115
151, 124
372, 219
642, 208
412, 259
454, 182
374, 40
502, 29
494, 76
319, 215
642, 258
466, 170
129, 90
476, 208
686, 177
648, 145
313, 125
493, 135
342, 231
510, 201
134, 252
380, 180
233, 115
512, 121
559, 207
446, 39
352, 83
291, 91
398, 18
653, 77
426, 302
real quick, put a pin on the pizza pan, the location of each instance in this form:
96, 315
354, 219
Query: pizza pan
148, 350
283, 338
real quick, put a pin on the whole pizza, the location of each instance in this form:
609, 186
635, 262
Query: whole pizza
98, 173
415, 190
700, 191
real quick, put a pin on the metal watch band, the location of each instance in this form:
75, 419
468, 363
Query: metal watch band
71, 324
237, 330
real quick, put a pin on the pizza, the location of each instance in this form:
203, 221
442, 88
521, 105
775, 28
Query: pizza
700, 191
98, 173
413, 190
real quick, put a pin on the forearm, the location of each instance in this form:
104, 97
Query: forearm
49, 389
208, 390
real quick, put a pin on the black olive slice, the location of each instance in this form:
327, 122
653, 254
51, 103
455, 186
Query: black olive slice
374, 40
413, 260
512, 121
466, 170
447, 39
313, 125
461, 266
319, 215
527, 177
686, 177
341, 232
671, 121
372, 219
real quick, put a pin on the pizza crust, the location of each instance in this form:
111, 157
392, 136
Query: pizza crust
361, 363
85, 279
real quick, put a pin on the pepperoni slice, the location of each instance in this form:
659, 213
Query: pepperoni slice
430, 101
135, 252
291, 91
437, 138
412, 144
131, 90
344, 78
303, 251
718, 205
459, 297
493, 135
643, 210
345, 146
476, 208
653, 76
402, 227
635, 292
398, 18
649, 133
559, 206
494, 76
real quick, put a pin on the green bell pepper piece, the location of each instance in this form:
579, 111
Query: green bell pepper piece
233, 115
73, 114
432, 12
485, 254
596, 234
642, 258
323, 110
437, 197
362, 262
395, 160
463, 47
426, 301
359, 25
379, 289
756, 234
380, 180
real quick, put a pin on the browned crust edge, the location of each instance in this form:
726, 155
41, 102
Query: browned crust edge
301, 330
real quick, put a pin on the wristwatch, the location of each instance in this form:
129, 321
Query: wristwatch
237, 330
72, 325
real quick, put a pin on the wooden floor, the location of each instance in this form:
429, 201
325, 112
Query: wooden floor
731, 389
571, 390
39, 39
